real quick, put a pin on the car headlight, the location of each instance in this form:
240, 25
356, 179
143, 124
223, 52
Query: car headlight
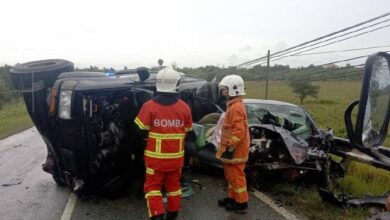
65, 104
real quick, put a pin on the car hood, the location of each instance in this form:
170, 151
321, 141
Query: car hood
296, 146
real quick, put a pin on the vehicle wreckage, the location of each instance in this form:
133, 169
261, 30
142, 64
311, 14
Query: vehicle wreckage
86, 121
283, 137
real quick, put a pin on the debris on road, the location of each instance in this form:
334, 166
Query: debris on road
12, 182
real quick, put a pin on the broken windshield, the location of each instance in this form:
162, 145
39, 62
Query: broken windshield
291, 118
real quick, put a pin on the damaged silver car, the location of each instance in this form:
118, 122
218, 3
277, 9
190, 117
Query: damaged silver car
284, 137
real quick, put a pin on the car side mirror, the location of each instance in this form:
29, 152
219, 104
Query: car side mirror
374, 109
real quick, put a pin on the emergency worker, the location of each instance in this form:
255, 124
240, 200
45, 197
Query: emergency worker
235, 141
167, 119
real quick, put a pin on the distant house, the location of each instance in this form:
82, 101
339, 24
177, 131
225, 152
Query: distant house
331, 65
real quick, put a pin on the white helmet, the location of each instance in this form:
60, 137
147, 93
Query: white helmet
235, 84
168, 80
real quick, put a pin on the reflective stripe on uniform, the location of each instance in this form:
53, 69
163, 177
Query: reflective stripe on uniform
237, 190
164, 155
166, 136
140, 124
147, 204
158, 145
159, 138
175, 193
235, 139
149, 171
233, 161
153, 193
150, 194
188, 129
240, 190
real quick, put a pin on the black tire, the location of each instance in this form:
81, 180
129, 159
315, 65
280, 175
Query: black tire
24, 74
326, 179
59, 181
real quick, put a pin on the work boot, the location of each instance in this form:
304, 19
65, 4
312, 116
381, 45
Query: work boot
235, 206
223, 202
171, 215
158, 217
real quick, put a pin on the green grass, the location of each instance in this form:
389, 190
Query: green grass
328, 111
306, 200
13, 119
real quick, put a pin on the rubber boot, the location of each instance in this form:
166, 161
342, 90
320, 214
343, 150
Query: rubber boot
171, 215
234, 206
224, 201
157, 217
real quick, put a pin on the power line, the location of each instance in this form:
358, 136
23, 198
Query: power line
311, 41
334, 76
344, 39
341, 51
321, 71
334, 62
349, 59
326, 70
329, 39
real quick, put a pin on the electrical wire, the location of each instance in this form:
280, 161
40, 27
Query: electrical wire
314, 40
344, 39
329, 39
342, 51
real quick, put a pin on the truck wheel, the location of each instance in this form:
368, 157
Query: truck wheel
23, 75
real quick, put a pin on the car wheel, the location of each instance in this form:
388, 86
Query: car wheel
326, 178
23, 75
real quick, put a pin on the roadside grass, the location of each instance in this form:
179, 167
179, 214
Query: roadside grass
306, 200
13, 119
363, 179
328, 111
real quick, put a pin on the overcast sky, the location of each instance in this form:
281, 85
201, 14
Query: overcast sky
115, 33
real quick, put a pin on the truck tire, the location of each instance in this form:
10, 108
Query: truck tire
23, 75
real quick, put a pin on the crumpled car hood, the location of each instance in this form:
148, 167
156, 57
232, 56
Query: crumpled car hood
297, 147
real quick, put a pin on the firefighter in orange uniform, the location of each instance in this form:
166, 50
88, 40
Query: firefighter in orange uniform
235, 142
167, 119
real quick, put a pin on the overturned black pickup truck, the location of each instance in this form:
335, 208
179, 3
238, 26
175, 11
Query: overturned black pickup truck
86, 119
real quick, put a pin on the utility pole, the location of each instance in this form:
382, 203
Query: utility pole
266, 77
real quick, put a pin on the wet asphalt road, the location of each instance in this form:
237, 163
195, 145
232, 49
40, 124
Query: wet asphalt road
31, 194
26, 192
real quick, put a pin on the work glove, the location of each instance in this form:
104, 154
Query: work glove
228, 154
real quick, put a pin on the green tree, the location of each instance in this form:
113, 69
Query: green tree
4, 96
303, 87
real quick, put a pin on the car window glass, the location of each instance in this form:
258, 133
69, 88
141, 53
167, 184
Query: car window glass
291, 118
255, 113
